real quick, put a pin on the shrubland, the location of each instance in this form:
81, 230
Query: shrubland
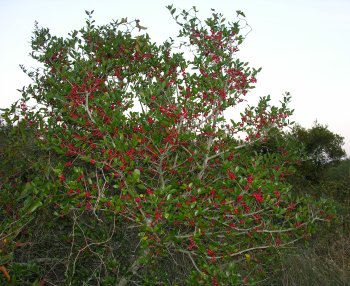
119, 168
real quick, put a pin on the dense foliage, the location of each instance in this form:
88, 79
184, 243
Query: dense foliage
120, 169
321, 148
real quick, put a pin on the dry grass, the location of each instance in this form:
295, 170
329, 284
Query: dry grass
324, 262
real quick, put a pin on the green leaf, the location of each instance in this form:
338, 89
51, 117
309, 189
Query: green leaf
141, 187
35, 205
136, 176
240, 13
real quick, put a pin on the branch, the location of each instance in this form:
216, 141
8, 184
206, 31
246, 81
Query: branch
87, 94
254, 248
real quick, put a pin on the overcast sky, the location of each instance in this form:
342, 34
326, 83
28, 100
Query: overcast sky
302, 46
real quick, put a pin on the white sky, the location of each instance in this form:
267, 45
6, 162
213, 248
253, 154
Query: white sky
302, 46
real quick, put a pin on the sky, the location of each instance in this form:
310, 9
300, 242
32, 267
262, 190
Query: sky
302, 46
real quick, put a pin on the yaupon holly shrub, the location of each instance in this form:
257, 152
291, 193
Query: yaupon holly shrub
145, 151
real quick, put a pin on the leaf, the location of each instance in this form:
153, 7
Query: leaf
137, 47
25, 191
136, 176
34, 206
123, 20
89, 13
4, 271
20, 244
139, 26
240, 13
142, 187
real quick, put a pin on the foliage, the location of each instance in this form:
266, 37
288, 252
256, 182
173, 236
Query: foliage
321, 148
325, 260
144, 178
